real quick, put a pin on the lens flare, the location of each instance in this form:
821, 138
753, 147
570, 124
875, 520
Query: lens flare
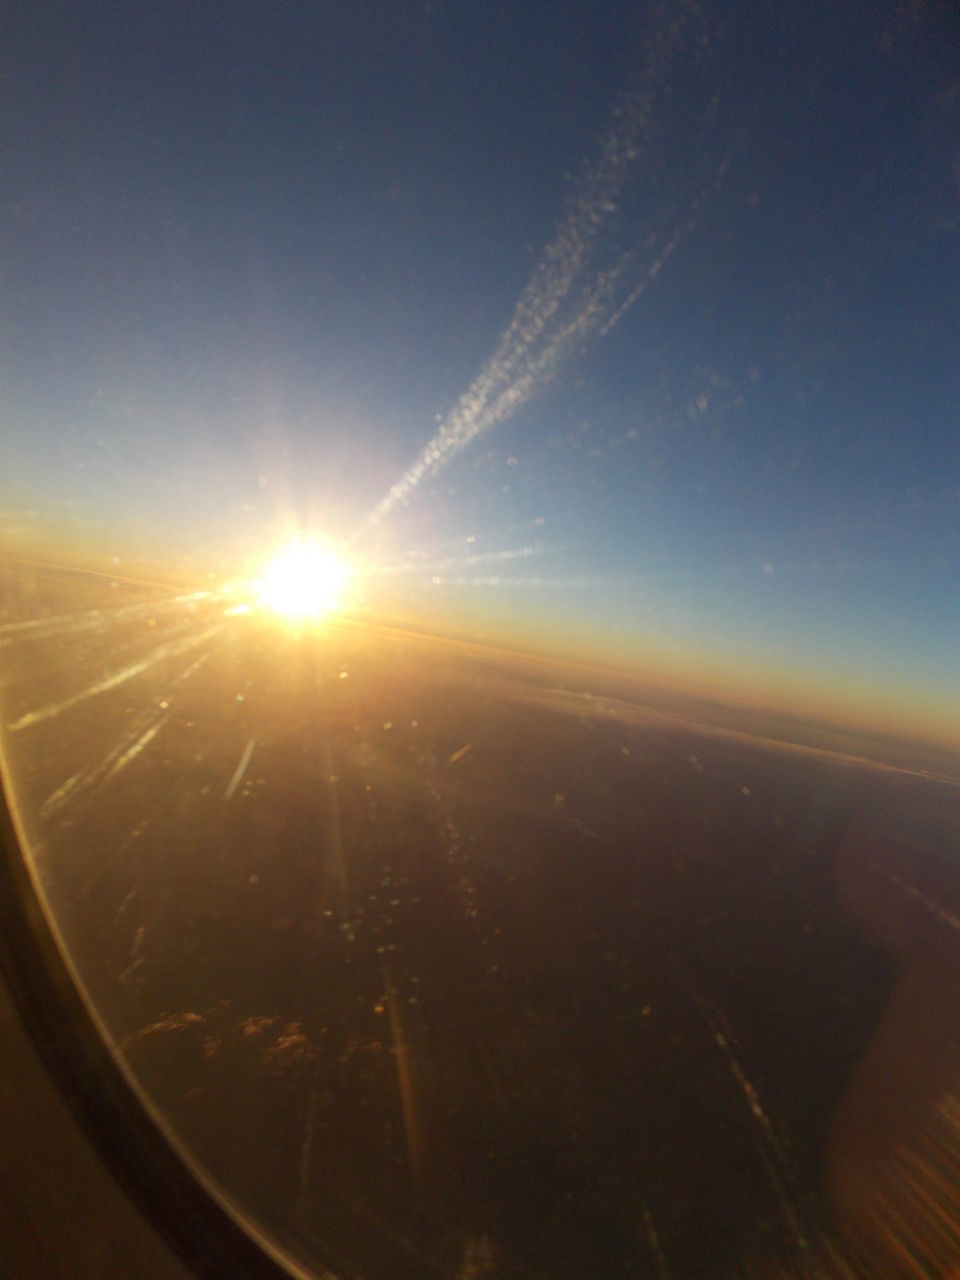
305, 580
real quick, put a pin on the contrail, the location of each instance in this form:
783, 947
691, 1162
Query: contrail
582, 581
425, 565
562, 305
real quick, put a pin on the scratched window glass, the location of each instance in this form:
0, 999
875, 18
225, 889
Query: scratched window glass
479, 615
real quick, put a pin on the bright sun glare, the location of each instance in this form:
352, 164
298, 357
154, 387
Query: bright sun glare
304, 580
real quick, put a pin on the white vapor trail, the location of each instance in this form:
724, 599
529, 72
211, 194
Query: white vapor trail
565, 301
496, 580
438, 565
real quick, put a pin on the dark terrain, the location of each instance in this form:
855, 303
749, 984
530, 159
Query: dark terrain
441, 966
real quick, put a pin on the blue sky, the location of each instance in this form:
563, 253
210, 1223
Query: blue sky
672, 286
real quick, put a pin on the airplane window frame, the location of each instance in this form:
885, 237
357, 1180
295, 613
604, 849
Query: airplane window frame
210, 1238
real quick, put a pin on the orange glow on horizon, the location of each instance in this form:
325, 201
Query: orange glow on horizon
307, 581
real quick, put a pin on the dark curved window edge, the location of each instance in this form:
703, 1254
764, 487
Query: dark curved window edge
170, 1194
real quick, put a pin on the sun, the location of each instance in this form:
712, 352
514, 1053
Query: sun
305, 580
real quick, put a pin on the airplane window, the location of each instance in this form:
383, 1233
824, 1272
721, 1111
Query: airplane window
479, 615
